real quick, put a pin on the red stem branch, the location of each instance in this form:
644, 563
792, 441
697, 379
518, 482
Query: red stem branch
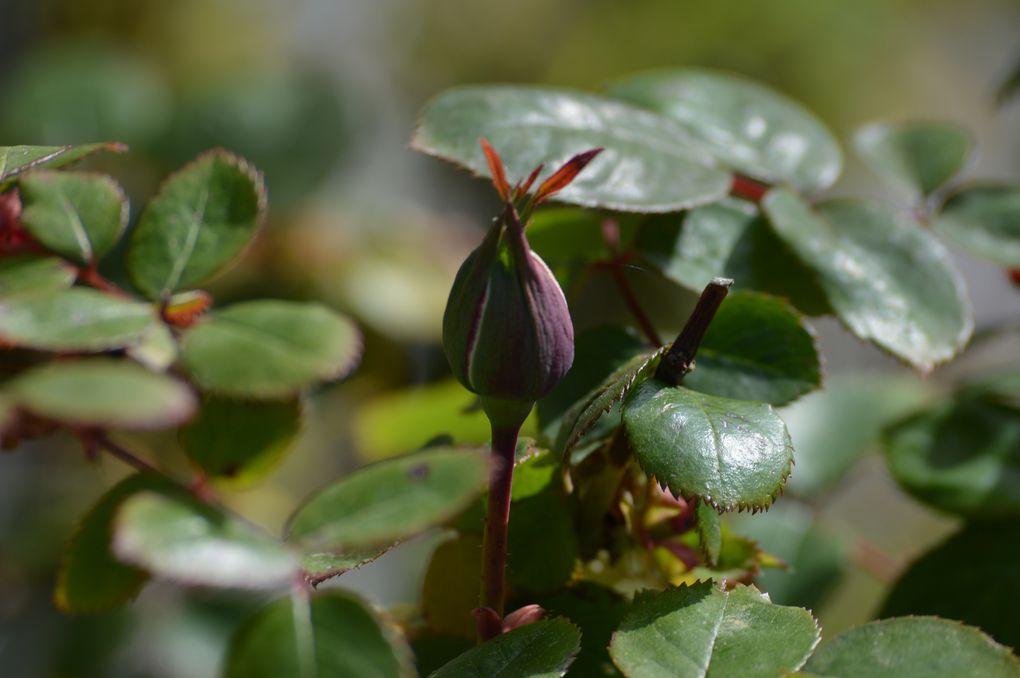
497, 520
611, 236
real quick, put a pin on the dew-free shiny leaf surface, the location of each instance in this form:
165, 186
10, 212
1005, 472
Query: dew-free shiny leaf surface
757, 348
961, 457
748, 126
391, 500
75, 214
540, 650
77, 319
917, 156
729, 239
888, 280
984, 220
649, 163
105, 394
701, 630
330, 635
912, 647
735, 454
200, 220
181, 539
269, 349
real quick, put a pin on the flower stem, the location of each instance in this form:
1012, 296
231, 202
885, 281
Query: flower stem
497, 518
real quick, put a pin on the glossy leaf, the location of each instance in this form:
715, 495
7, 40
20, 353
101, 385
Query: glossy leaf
984, 220
269, 349
888, 280
241, 440
729, 239
200, 220
580, 418
961, 457
391, 500
16, 159
103, 394
543, 649
735, 454
597, 354
328, 565
77, 319
90, 578
330, 635
701, 630
912, 647
754, 129
917, 156
75, 214
649, 163
981, 561
757, 348
186, 541
30, 273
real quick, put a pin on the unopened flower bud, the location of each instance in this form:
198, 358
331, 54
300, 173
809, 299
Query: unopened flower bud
507, 331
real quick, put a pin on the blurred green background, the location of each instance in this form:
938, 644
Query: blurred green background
322, 96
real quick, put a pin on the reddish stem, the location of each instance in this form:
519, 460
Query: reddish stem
611, 236
497, 520
748, 189
88, 275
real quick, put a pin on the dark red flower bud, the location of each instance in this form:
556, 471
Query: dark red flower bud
507, 331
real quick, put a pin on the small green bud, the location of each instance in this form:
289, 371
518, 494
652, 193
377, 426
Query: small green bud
507, 330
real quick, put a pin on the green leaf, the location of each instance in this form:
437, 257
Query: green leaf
541, 650
912, 647
816, 557
391, 500
580, 418
16, 159
962, 457
709, 527
241, 440
202, 219
888, 280
452, 586
77, 319
598, 610
156, 348
597, 354
397, 421
735, 454
76, 214
183, 540
701, 630
269, 349
649, 163
568, 234
917, 156
831, 429
979, 563
103, 394
752, 128
729, 239
984, 220
330, 635
90, 578
30, 273
757, 348
328, 565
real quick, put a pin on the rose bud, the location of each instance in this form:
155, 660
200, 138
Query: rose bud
507, 331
